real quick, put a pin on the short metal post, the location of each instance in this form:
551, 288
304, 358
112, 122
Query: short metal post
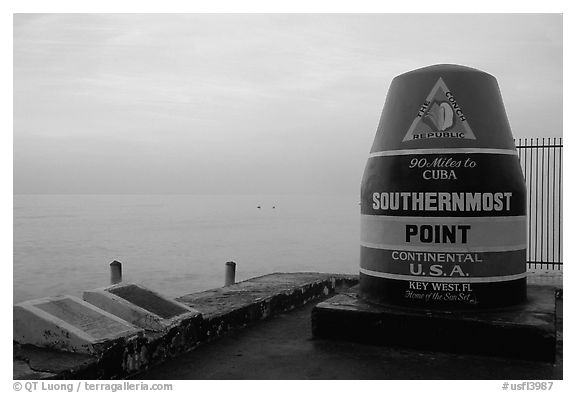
115, 272
230, 273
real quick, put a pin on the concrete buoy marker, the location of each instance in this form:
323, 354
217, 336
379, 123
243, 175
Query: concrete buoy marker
443, 198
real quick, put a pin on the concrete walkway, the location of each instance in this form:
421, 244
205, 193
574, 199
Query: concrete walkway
282, 348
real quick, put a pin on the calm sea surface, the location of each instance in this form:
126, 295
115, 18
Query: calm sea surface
176, 244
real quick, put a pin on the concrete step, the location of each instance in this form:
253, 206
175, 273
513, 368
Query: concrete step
70, 324
141, 306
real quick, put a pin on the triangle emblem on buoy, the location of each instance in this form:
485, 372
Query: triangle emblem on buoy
439, 116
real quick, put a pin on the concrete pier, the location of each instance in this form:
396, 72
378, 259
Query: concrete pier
283, 348
220, 311
261, 329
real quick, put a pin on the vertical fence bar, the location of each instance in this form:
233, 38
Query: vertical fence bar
536, 206
548, 205
525, 155
528, 190
530, 208
560, 183
542, 207
553, 201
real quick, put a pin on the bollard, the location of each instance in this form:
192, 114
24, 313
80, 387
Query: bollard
230, 273
115, 272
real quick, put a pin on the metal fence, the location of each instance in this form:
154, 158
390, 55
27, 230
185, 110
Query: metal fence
541, 161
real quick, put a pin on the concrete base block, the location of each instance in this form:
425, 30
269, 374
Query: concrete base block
70, 324
141, 306
526, 331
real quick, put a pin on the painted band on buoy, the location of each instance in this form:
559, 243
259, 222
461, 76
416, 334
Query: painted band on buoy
443, 198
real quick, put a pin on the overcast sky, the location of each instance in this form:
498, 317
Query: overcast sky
249, 104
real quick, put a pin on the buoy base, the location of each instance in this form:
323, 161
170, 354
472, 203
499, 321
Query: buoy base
422, 295
525, 331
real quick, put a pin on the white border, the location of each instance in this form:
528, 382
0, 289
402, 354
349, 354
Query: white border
404, 152
464, 248
404, 277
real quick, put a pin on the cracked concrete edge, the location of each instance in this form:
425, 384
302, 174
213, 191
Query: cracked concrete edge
21, 369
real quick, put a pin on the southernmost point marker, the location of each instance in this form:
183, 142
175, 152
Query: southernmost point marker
443, 228
443, 198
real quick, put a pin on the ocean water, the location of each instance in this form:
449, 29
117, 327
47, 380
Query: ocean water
176, 244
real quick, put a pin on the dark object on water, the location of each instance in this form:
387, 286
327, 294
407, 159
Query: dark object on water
258, 207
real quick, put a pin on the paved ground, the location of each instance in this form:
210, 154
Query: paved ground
282, 348
545, 277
